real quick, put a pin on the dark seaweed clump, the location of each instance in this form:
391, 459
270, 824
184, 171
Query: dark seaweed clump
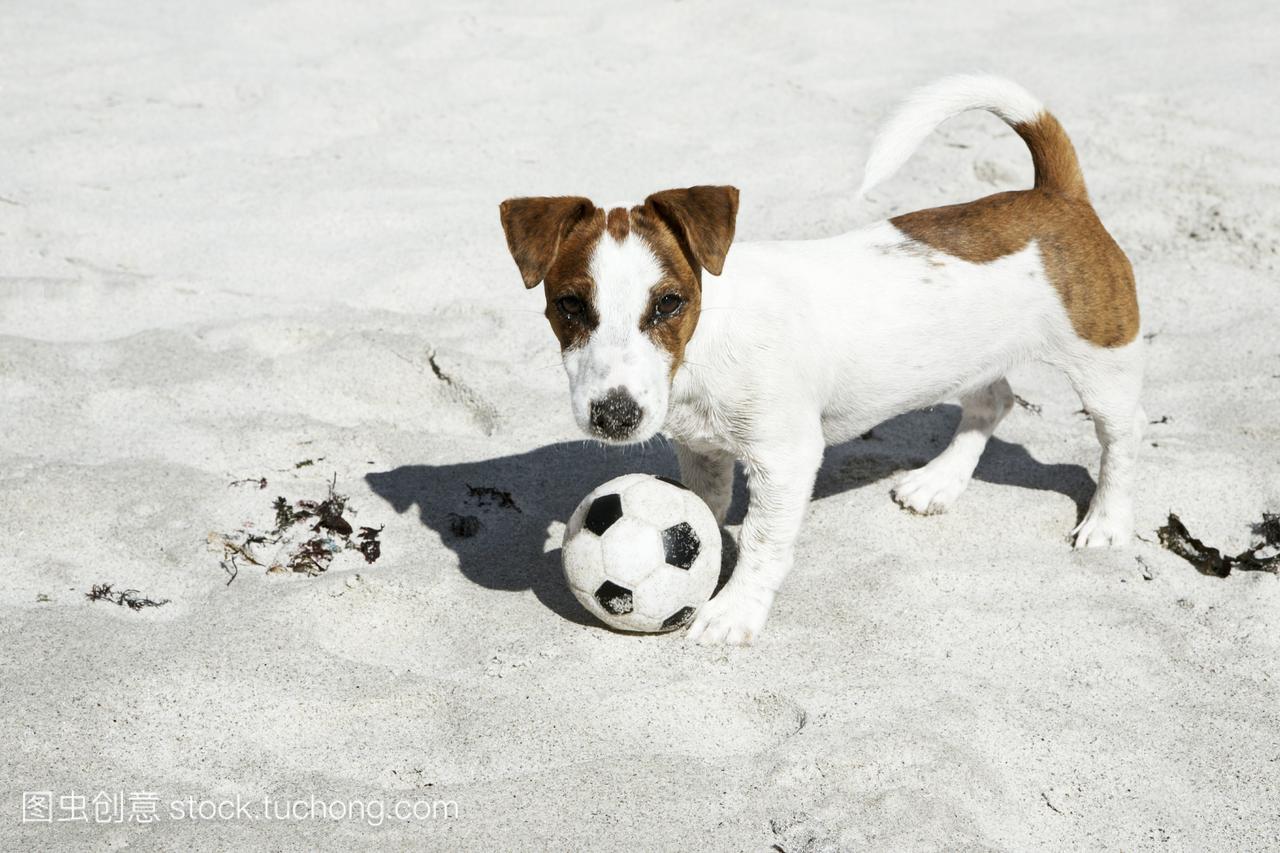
1210, 561
328, 533
129, 598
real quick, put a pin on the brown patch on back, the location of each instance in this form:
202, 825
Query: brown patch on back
1093, 277
618, 223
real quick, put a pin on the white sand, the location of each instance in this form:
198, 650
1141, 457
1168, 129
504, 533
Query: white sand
230, 240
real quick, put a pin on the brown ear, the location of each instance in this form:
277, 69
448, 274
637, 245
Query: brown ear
535, 228
703, 218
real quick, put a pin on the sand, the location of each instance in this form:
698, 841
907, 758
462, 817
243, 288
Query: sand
238, 236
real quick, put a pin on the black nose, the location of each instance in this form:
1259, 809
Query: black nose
616, 414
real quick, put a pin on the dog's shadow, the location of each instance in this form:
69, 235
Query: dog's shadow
498, 515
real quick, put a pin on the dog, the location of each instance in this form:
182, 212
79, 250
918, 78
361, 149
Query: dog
795, 345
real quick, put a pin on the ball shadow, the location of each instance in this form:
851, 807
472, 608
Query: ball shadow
497, 515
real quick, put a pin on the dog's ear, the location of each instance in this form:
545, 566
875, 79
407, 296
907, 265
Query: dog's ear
535, 228
702, 219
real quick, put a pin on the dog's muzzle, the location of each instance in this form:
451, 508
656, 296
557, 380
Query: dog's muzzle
615, 415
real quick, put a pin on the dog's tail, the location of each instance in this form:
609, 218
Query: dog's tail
1051, 151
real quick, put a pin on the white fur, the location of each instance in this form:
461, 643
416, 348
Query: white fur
930, 106
618, 354
804, 343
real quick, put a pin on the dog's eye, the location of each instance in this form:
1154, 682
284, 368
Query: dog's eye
570, 305
669, 304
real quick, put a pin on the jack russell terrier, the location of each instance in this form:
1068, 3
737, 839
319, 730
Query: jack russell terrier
800, 344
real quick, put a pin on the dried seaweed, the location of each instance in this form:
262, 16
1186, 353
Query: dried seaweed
329, 512
260, 482
1269, 529
489, 496
308, 551
129, 598
369, 545
1033, 408
286, 516
313, 556
1210, 561
238, 546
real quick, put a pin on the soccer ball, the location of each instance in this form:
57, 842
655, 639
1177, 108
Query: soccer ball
642, 553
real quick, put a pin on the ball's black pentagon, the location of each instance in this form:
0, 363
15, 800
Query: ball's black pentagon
605, 510
679, 619
676, 483
614, 599
681, 545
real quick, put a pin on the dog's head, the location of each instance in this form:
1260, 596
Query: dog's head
624, 289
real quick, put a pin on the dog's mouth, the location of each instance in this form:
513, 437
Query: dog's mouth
637, 437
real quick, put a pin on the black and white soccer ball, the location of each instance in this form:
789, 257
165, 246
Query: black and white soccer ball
642, 553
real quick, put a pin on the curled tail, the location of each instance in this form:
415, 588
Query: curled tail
1051, 151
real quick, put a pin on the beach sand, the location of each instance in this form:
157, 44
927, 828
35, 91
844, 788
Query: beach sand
237, 237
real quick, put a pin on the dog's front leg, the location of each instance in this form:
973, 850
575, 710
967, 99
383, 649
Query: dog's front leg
709, 473
780, 475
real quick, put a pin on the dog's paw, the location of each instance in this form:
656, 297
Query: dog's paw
735, 617
931, 489
1103, 529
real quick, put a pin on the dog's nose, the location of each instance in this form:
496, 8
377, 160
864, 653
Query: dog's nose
616, 414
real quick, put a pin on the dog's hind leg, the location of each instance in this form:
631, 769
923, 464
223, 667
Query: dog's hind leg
935, 487
1109, 382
